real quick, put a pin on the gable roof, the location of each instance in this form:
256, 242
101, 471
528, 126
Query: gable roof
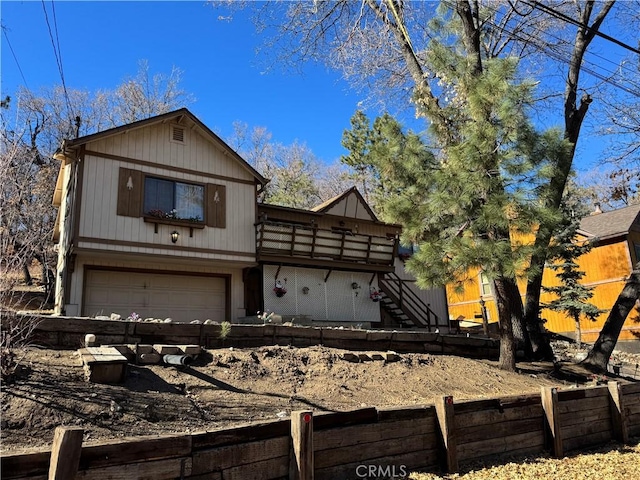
611, 224
348, 201
180, 115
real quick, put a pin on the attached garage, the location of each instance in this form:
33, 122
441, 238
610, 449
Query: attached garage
183, 297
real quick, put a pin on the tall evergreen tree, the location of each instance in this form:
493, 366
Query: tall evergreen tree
463, 199
572, 297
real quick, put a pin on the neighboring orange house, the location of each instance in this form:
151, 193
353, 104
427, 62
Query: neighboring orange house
606, 267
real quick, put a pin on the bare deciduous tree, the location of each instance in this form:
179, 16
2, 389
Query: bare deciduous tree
297, 178
33, 127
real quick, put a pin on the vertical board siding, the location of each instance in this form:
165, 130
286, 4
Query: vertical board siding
99, 219
333, 300
436, 298
198, 154
606, 267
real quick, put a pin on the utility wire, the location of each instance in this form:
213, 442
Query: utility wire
4, 31
566, 18
619, 66
545, 48
58, 55
535, 42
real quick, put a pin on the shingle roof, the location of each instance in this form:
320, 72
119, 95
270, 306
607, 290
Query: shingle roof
613, 223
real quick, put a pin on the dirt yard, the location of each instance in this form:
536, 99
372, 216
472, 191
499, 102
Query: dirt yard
231, 386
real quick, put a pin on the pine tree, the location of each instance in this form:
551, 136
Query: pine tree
572, 297
466, 199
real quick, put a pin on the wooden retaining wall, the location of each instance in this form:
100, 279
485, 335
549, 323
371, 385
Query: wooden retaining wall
513, 425
334, 445
630, 397
585, 417
69, 332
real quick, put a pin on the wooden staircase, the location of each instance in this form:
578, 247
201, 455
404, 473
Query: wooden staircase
403, 305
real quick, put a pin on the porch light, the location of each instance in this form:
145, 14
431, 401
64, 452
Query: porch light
174, 236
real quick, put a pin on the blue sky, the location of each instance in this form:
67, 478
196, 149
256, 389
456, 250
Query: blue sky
102, 42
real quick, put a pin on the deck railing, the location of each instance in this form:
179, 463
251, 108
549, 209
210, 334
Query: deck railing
281, 239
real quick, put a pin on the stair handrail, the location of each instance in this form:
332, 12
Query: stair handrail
411, 304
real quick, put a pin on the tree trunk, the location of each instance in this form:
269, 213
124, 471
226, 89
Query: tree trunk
578, 333
598, 356
540, 345
25, 273
506, 313
574, 114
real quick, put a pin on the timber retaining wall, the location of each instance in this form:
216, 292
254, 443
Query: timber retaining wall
69, 332
346, 444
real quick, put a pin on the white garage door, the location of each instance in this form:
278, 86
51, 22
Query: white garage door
181, 297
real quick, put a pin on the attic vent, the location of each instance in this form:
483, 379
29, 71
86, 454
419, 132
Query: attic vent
177, 134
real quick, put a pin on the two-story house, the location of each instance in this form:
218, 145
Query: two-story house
155, 217
160, 217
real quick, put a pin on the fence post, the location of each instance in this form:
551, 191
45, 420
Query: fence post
65, 453
549, 397
446, 420
302, 439
619, 416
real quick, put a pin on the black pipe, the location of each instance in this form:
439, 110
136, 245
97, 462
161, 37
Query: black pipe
177, 359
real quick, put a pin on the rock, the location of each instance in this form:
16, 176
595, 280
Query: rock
391, 357
351, 357
190, 349
149, 319
208, 322
195, 322
166, 349
150, 358
102, 317
115, 316
168, 320
89, 340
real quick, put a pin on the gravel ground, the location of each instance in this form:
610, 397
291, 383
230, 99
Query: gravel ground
610, 462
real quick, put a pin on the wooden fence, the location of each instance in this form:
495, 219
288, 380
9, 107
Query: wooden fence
69, 332
358, 444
